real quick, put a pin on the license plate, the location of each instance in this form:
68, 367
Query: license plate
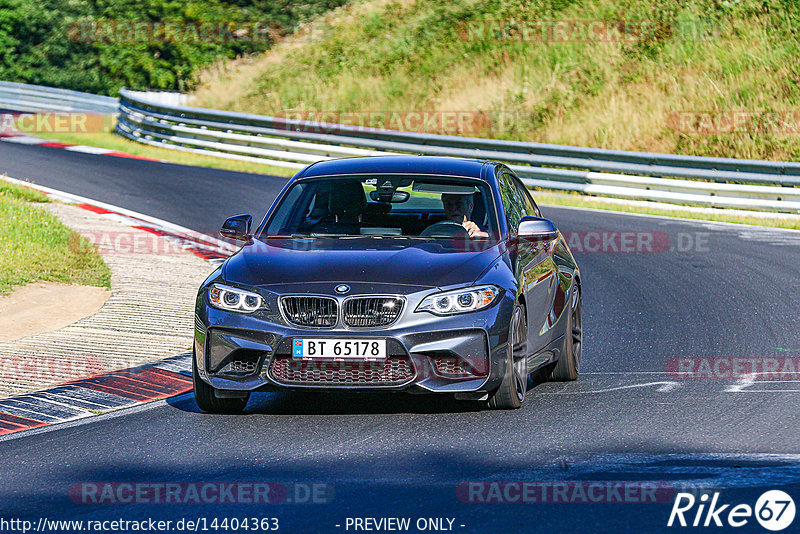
336, 349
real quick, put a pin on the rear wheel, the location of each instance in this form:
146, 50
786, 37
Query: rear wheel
569, 361
511, 392
208, 401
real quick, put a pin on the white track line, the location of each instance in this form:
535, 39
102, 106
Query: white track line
88, 149
728, 225
23, 140
113, 413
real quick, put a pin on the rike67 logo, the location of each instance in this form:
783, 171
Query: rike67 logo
774, 510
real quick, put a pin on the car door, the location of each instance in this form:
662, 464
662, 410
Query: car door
533, 263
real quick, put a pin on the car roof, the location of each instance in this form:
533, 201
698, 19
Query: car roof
396, 164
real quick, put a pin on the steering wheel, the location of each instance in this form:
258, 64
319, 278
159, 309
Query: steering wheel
445, 229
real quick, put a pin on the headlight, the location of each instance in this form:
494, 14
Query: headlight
459, 301
235, 299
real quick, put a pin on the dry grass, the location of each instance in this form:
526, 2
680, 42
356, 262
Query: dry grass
234, 84
385, 55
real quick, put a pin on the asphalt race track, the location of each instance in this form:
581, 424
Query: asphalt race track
194, 197
700, 292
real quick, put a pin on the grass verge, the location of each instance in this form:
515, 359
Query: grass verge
113, 141
36, 246
549, 198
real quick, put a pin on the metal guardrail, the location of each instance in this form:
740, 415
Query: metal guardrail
693, 180
158, 120
34, 98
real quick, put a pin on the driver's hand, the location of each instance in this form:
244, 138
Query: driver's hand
473, 229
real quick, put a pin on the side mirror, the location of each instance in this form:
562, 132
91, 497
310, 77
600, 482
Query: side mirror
237, 227
536, 230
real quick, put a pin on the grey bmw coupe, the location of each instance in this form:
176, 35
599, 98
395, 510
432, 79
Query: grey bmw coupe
399, 273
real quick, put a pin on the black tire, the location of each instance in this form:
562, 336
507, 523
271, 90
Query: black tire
511, 393
569, 361
208, 401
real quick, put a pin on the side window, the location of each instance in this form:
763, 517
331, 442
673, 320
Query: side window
530, 206
513, 203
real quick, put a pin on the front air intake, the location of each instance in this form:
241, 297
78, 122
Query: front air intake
393, 371
372, 311
316, 312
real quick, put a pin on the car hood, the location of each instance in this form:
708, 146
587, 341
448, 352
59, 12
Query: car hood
401, 261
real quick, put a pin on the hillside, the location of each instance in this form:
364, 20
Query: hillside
101, 45
706, 77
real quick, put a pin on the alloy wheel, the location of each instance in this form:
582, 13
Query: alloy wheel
577, 332
518, 342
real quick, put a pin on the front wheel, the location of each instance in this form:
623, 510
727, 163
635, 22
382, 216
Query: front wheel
569, 361
512, 390
208, 401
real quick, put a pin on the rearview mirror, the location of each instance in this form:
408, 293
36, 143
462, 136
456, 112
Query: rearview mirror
237, 227
536, 229
397, 196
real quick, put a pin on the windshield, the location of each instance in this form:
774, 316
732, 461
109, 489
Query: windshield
386, 206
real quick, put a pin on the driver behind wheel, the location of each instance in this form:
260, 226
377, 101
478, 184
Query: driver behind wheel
458, 209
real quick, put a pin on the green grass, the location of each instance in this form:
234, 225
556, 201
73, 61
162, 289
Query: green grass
21, 193
550, 198
35, 245
112, 141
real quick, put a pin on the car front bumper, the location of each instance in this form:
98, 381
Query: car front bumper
463, 353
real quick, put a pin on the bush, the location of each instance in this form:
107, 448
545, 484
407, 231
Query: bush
41, 40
